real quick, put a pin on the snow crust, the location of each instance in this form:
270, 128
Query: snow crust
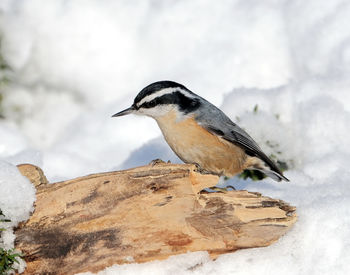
76, 63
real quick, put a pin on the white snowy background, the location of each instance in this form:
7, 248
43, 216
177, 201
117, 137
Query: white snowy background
75, 63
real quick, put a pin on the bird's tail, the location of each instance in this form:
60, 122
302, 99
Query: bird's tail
265, 166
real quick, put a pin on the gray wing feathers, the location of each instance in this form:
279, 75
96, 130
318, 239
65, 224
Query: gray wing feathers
216, 122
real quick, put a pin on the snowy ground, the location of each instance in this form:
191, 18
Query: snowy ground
75, 63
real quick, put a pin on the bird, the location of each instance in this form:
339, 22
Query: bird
200, 133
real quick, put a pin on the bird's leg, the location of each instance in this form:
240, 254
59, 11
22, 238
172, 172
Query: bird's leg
157, 161
218, 189
222, 187
201, 170
223, 184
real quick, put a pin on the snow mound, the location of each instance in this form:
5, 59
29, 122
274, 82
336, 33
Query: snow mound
16, 199
78, 62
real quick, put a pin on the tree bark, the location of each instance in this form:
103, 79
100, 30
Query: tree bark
142, 214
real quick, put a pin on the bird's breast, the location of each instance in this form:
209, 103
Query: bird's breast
194, 144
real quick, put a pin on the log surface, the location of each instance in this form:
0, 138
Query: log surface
143, 214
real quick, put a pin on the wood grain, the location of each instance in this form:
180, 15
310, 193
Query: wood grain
143, 214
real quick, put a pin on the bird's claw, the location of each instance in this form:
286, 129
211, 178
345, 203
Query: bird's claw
157, 161
218, 189
231, 187
201, 170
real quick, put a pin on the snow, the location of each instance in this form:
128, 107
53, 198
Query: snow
76, 63
16, 201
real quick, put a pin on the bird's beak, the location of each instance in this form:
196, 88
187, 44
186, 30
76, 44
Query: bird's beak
125, 112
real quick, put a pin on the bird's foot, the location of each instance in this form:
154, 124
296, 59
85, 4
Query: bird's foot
201, 170
218, 189
157, 161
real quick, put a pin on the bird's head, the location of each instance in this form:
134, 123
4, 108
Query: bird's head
159, 98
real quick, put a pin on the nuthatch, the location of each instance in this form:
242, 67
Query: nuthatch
200, 133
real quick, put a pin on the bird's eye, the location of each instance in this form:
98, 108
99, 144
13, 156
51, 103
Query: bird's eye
149, 104
152, 103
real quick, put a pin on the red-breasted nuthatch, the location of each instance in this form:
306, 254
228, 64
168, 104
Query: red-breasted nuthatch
200, 133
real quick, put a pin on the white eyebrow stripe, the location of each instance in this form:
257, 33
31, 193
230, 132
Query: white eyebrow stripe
163, 92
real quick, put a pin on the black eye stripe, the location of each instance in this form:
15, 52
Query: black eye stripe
149, 104
185, 104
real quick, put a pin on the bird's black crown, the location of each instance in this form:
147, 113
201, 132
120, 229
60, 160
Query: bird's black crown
179, 97
157, 86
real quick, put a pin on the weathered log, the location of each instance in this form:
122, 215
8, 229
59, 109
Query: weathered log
143, 214
33, 173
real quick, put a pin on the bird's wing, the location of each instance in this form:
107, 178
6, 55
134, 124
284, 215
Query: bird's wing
231, 132
216, 122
